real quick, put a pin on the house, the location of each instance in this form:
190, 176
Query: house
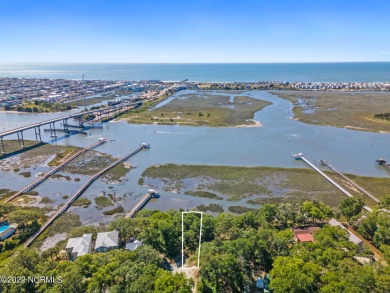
352, 237
107, 241
6, 230
304, 235
79, 246
133, 246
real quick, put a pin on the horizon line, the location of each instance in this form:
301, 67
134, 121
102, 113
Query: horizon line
91, 62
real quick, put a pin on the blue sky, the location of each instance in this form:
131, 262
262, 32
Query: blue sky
194, 31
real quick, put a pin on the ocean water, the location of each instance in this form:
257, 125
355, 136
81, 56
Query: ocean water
307, 72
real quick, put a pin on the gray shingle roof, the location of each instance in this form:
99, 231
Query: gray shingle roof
107, 239
80, 245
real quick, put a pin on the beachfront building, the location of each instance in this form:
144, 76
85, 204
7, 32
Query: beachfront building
6, 230
79, 246
107, 241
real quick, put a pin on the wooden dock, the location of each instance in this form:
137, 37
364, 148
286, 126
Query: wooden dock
141, 203
300, 156
53, 171
325, 163
81, 191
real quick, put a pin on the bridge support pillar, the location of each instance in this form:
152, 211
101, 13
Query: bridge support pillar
2, 146
37, 134
66, 125
20, 139
21, 134
53, 132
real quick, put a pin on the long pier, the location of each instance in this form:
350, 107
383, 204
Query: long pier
80, 192
141, 203
101, 114
51, 172
300, 156
325, 163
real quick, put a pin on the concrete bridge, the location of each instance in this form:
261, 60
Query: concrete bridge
101, 114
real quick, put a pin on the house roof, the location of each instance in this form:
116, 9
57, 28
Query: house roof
80, 245
352, 237
133, 246
107, 239
305, 237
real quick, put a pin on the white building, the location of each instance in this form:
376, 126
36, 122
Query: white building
107, 241
79, 246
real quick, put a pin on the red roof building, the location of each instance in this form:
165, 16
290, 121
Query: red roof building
304, 235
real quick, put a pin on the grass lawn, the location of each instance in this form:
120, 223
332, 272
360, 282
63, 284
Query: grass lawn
341, 109
203, 108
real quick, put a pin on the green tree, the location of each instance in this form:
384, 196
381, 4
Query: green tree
22, 217
126, 228
351, 207
316, 211
385, 202
292, 274
5, 208
333, 237
382, 234
368, 226
268, 212
227, 226
167, 282
222, 273
349, 277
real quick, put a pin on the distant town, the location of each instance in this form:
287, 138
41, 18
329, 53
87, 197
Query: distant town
16, 91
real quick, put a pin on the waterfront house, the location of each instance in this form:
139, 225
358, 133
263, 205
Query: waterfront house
107, 241
352, 237
79, 246
133, 245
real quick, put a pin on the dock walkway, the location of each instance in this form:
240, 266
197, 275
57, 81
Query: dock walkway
343, 190
81, 191
144, 199
325, 163
53, 171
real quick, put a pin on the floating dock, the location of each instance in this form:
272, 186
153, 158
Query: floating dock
51, 172
300, 156
383, 162
80, 192
142, 202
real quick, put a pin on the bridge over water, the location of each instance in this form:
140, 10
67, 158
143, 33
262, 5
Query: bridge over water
101, 115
